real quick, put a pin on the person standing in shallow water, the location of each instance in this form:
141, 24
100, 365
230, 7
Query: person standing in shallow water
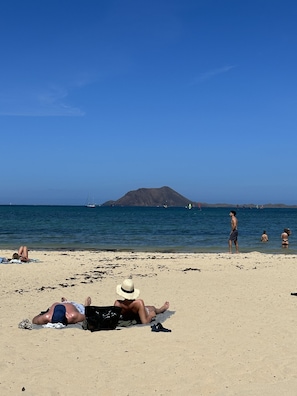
285, 237
234, 232
264, 237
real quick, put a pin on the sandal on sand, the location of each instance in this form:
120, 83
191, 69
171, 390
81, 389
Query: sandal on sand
25, 324
158, 327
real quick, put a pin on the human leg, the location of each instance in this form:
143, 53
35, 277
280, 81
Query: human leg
233, 238
230, 246
88, 301
23, 253
162, 309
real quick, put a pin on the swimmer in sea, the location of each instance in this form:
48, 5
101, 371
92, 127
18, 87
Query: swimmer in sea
264, 237
285, 237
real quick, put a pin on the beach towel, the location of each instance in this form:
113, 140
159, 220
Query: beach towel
4, 260
159, 317
26, 324
56, 325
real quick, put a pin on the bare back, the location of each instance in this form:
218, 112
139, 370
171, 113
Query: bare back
130, 308
234, 223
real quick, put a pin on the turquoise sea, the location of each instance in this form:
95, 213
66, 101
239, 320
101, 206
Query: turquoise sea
143, 229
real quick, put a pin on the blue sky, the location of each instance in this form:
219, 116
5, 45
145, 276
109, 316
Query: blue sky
98, 98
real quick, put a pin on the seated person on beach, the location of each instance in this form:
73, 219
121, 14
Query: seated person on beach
22, 254
65, 312
264, 237
133, 308
285, 237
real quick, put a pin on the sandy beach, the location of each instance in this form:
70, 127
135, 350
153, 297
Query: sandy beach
233, 322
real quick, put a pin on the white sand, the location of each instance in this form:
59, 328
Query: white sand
234, 326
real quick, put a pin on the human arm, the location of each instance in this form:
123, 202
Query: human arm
41, 319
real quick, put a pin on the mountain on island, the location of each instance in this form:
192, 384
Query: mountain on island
163, 196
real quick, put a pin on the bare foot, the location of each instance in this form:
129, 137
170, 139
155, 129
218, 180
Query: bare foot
63, 299
88, 301
163, 308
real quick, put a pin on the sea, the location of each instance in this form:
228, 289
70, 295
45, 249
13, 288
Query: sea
158, 229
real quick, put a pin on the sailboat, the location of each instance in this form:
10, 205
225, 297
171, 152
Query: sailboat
90, 204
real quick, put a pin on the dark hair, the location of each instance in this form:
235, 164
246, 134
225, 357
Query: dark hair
233, 211
15, 256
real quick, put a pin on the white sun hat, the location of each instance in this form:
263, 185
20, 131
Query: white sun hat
127, 290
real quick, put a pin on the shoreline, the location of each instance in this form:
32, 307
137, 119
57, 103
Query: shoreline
281, 251
232, 317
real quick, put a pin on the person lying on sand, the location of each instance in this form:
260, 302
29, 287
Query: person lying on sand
66, 312
22, 254
133, 308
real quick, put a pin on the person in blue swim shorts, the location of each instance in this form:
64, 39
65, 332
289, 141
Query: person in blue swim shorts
234, 232
65, 312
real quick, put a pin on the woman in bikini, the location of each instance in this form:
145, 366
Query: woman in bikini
133, 307
285, 237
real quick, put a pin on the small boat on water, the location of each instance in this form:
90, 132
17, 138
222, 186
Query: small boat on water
90, 205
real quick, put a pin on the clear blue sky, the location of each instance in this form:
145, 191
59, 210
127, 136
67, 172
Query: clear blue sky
102, 97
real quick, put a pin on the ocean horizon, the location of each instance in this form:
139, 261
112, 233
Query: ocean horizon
149, 229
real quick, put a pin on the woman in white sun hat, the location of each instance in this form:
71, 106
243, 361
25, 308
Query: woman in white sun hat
133, 307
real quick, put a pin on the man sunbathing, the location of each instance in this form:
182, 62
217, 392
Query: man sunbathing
133, 308
65, 312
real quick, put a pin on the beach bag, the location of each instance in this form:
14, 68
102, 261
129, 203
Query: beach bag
102, 318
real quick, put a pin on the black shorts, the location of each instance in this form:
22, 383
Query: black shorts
233, 236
